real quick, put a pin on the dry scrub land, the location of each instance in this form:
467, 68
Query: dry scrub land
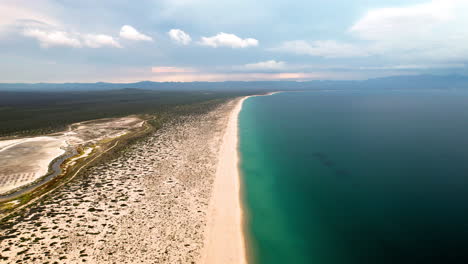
147, 205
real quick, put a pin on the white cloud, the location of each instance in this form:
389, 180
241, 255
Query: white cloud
48, 37
35, 19
129, 32
19, 12
53, 38
99, 41
430, 33
228, 40
265, 65
171, 70
322, 48
411, 21
434, 31
179, 36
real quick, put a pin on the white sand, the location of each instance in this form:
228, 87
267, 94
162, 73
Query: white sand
224, 239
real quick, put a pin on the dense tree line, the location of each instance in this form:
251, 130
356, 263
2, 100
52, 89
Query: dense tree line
33, 113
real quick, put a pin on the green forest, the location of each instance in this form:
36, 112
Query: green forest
34, 113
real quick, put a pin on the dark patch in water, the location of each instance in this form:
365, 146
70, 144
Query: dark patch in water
319, 155
323, 159
342, 173
328, 163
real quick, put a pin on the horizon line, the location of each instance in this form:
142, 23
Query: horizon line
236, 81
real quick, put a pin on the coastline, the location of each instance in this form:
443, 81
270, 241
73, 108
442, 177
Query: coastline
172, 187
225, 238
225, 220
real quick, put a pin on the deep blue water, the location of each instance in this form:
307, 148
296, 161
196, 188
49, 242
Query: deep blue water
356, 177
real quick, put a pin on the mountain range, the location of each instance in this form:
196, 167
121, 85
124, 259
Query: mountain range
394, 82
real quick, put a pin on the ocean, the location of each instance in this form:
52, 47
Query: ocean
348, 177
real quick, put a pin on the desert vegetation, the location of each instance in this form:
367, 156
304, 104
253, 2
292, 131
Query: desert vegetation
146, 199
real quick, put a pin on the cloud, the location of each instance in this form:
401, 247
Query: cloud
228, 40
179, 36
433, 31
171, 70
17, 12
53, 38
32, 20
99, 41
411, 21
322, 48
50, 38
423, 34
265, 65
129, 32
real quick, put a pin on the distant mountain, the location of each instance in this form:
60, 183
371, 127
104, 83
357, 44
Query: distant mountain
395, 82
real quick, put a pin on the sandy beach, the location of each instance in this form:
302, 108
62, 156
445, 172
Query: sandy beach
224, 235
224, 240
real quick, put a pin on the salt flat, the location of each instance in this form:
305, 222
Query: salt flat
24, 160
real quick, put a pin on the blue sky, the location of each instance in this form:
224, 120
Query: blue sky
218, 40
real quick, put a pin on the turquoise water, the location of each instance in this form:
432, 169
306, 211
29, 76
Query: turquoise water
356, 177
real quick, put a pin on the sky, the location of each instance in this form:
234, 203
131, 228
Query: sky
220, 40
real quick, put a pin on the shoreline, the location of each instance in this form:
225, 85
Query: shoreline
225, 238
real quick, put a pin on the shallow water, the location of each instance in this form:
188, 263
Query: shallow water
356, 176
